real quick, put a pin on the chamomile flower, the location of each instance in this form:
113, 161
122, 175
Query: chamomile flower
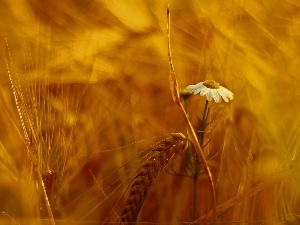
212, 90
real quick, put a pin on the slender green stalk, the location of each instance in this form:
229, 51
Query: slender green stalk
205, 114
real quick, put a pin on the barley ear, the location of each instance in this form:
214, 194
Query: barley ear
23, 115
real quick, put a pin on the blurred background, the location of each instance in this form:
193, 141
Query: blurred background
92, 81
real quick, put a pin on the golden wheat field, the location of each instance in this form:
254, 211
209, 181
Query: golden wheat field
96, 126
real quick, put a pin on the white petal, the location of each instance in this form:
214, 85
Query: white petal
216, 96
225, 93
200, 89
191, 88
224, 96
204, 91
228, 93
194, 87
209, 95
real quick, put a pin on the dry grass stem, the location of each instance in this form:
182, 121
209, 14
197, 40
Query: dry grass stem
191, 131
165, 152
172, 76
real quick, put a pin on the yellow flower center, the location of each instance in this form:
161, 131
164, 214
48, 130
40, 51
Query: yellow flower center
211, 84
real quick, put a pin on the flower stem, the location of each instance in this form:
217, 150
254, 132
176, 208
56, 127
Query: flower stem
194, 215
205, 114
193, 138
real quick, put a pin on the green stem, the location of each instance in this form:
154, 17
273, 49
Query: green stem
205, 114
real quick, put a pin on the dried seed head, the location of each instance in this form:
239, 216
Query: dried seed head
166, 150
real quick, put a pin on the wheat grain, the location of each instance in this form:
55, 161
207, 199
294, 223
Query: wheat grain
165, 151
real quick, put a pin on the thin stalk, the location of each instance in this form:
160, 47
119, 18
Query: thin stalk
195, 195
193, 138
205, 114
195, 171
192, 134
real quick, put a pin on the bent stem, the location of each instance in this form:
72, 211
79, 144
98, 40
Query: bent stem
191, 132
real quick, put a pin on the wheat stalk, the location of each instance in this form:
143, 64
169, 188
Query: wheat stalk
47, 126
192, 135
25, 120
165, 152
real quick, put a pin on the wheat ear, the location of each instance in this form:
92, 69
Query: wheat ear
165, 151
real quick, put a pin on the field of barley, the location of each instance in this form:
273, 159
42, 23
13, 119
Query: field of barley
90, 132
